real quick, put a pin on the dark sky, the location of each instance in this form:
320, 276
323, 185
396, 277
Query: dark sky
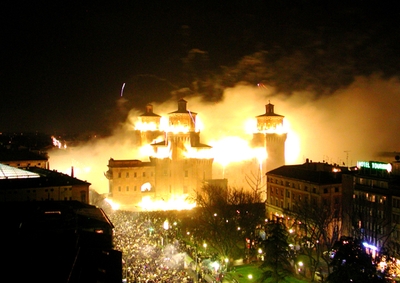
64, 62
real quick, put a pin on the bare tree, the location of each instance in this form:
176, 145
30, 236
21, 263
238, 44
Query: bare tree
318, 227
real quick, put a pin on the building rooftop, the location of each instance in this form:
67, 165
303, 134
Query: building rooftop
9, 172
313, 174
14, 178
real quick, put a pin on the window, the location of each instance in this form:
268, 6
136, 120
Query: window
325, 191
135, 174
134, 188
127, 174
127, 188
144, 174
336, 189
119, 174
119, 188
186, 173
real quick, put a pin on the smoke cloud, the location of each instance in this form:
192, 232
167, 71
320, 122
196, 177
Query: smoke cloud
355, 123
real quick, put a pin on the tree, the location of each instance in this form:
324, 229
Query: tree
225, 217
351, 263
277, 258
318, 227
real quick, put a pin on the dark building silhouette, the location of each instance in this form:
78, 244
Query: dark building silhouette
53, 241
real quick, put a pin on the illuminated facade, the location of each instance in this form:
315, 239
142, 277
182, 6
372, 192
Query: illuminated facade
271, 135
178, 165
291, 187
376, 204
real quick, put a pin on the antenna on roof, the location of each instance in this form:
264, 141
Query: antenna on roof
347, 157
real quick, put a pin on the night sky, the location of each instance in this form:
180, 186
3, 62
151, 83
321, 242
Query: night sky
64, 63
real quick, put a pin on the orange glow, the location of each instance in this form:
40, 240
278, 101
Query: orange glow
178, 129
231, 149
200, 153
163, 151
114, 205
174, 203
146, 126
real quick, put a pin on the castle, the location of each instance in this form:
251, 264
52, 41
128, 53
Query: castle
180, 164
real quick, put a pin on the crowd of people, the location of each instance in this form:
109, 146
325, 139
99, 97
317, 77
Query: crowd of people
151, 252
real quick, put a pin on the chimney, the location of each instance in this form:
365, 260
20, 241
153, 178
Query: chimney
72, 171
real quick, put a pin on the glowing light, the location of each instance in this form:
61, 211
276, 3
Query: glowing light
146, 187
146, 126
199, 124
369, 246
178, 129
58, 144
114, 205
163, 151
122, 89
147, 150
231, 149
177, 203
200, 153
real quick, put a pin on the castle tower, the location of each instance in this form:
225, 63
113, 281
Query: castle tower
149, 126
181, 129
188, 166
270, 133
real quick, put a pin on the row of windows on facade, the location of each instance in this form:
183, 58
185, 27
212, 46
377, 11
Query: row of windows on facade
279, 203
43, 199
396, 202
135, 175
33, 191
277, 190
369, 197
371, 228
375, 213
299, 186
372, 183
185, 189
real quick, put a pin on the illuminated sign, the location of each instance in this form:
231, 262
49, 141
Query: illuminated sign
375, 165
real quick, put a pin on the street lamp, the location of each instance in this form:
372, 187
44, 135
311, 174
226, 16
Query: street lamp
300, 264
